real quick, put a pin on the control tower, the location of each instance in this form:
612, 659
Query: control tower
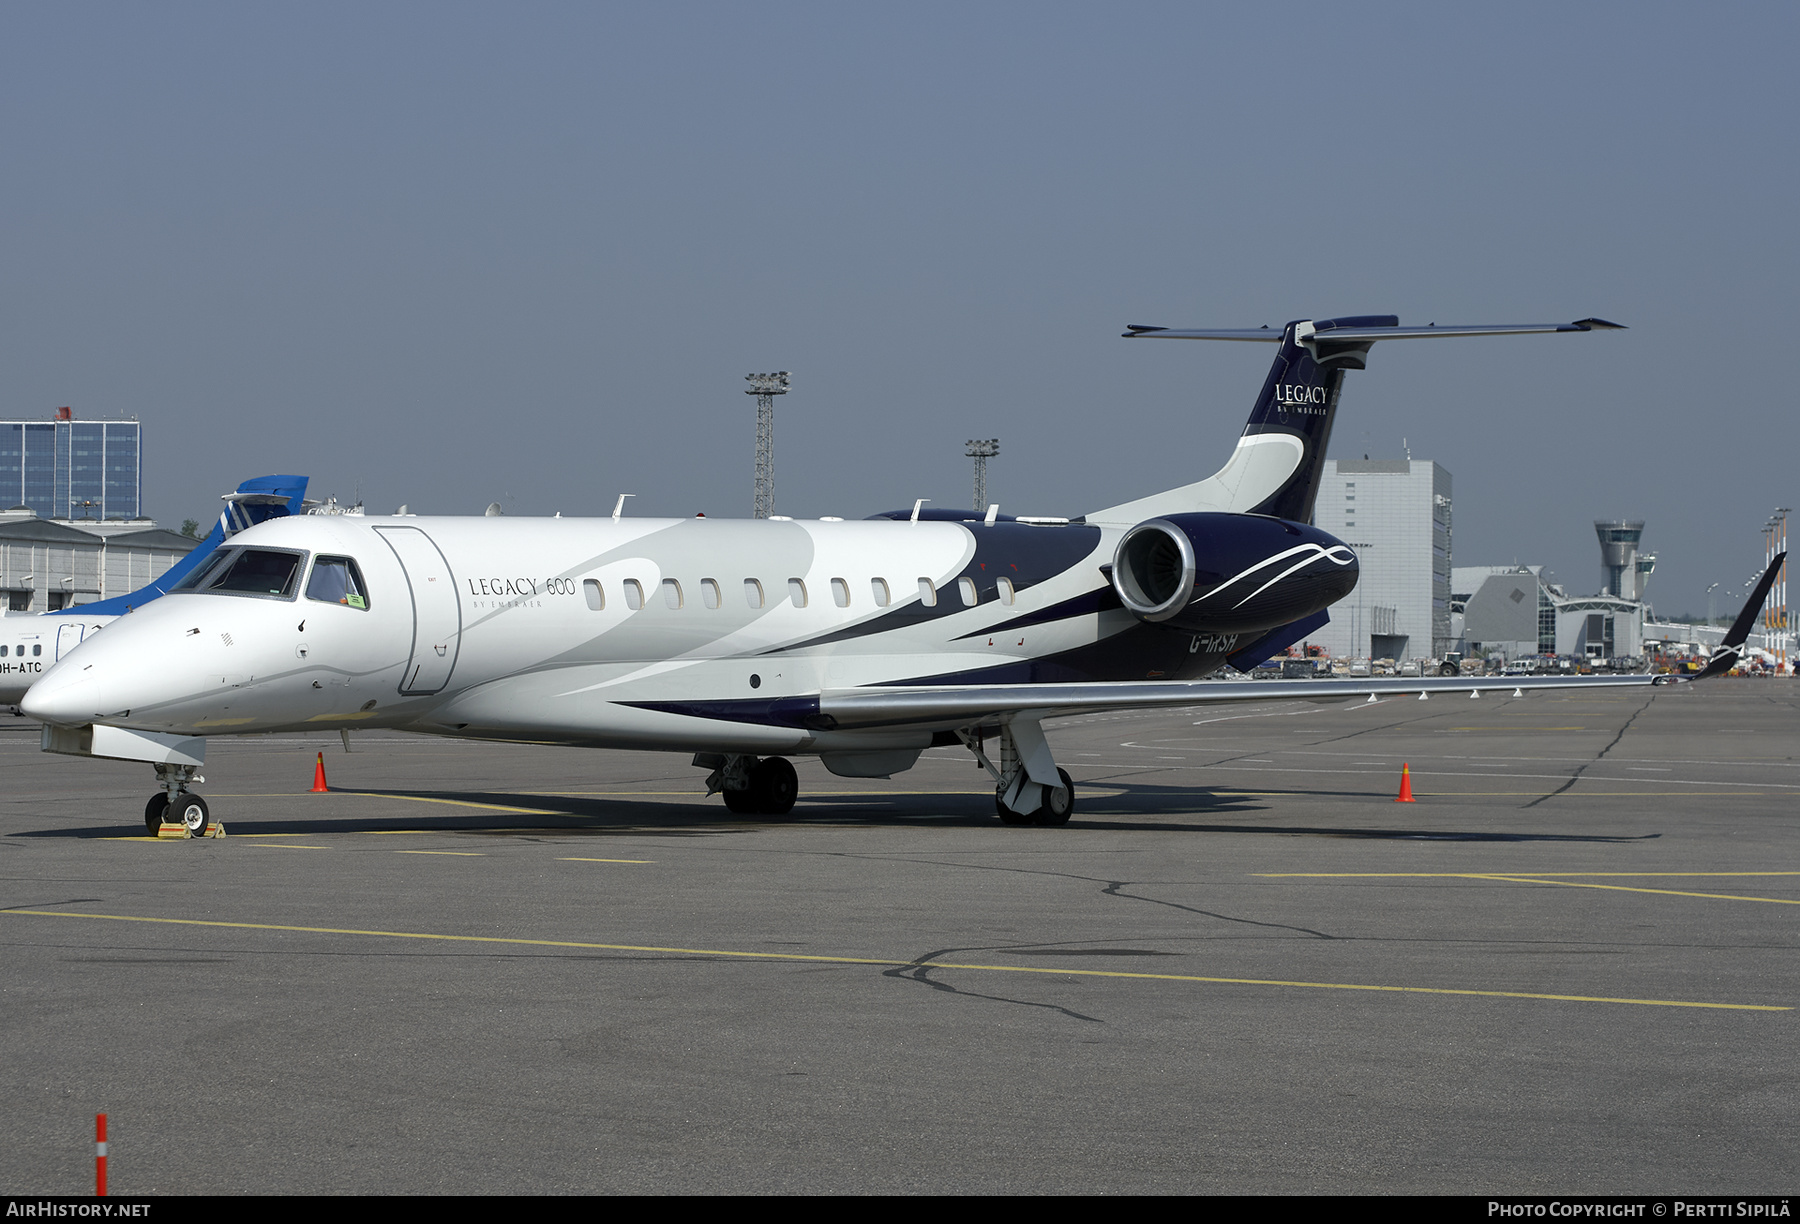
1619, 557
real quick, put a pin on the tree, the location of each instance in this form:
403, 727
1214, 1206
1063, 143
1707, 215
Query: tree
190, 528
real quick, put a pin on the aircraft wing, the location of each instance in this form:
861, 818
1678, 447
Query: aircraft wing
962, 705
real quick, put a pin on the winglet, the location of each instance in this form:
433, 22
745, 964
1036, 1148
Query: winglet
1726, 655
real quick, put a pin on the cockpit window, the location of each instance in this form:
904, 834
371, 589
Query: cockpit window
208, 568
337, 580
248, 571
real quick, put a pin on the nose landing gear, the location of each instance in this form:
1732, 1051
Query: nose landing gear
175, 805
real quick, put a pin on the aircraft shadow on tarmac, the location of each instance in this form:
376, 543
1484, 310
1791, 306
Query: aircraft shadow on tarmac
1131, 807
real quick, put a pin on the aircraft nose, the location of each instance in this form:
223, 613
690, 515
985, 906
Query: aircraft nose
65, 698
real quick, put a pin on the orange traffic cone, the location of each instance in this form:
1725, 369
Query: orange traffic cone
1405, 795
319, 787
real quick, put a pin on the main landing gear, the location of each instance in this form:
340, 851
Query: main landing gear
1024, 794
175, 804
766, 787
1057, 807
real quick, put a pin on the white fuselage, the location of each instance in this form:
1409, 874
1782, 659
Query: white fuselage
487, 627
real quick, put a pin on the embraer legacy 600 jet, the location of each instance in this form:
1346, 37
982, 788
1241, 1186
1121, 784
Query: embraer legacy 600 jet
752, 641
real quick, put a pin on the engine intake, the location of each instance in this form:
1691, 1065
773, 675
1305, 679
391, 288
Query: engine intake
1230, 573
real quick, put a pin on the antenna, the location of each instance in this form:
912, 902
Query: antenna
981, 450
765, 387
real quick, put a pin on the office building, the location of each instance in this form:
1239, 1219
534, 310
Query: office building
1396, 514
69, 469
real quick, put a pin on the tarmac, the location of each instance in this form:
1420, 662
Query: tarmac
1569, 967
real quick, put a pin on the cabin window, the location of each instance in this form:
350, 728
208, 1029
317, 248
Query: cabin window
37, 649
879, 588
634, 594
797, 592
1005, 587
840, 592
753, 593
2, 652
337, 580
596, 598
966, 588
927, 593
709, 592
671, 592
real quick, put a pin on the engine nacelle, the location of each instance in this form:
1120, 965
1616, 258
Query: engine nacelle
1230, 573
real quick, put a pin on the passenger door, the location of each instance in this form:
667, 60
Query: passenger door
437, 613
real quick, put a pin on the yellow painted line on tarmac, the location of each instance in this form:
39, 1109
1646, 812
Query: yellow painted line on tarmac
1493, 875
1667, 892
490, 807
1550, 878
285, 846
688, 794
1731, 794
595, 860
457, 853
1051, 971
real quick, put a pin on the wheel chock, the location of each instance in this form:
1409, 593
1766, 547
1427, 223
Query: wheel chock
215, 829
171, 832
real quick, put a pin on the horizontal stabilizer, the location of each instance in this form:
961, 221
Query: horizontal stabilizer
1259, 335
1327, 329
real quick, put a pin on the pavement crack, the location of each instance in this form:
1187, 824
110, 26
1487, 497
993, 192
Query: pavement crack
918, 969
1598, 756
1116, 889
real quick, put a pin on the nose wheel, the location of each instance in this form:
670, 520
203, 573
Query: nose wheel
175, 804
189, 811
153, 812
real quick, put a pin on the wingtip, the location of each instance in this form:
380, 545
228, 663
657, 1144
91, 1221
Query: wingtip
1599, 325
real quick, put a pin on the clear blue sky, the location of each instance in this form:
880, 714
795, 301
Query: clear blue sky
452, 254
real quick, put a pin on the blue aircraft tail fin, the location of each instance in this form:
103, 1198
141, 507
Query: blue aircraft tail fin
255, 501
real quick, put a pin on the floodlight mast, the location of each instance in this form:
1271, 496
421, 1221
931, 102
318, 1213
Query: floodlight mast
765, 387
981, 450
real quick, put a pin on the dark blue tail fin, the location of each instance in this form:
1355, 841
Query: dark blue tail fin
1300, 398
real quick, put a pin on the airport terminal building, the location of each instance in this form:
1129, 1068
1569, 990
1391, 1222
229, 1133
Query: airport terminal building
1396, 514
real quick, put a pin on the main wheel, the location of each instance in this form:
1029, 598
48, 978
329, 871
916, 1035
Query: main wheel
775, 785
154, 812
1008, 816
1059, 802
740, 803
190, 811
